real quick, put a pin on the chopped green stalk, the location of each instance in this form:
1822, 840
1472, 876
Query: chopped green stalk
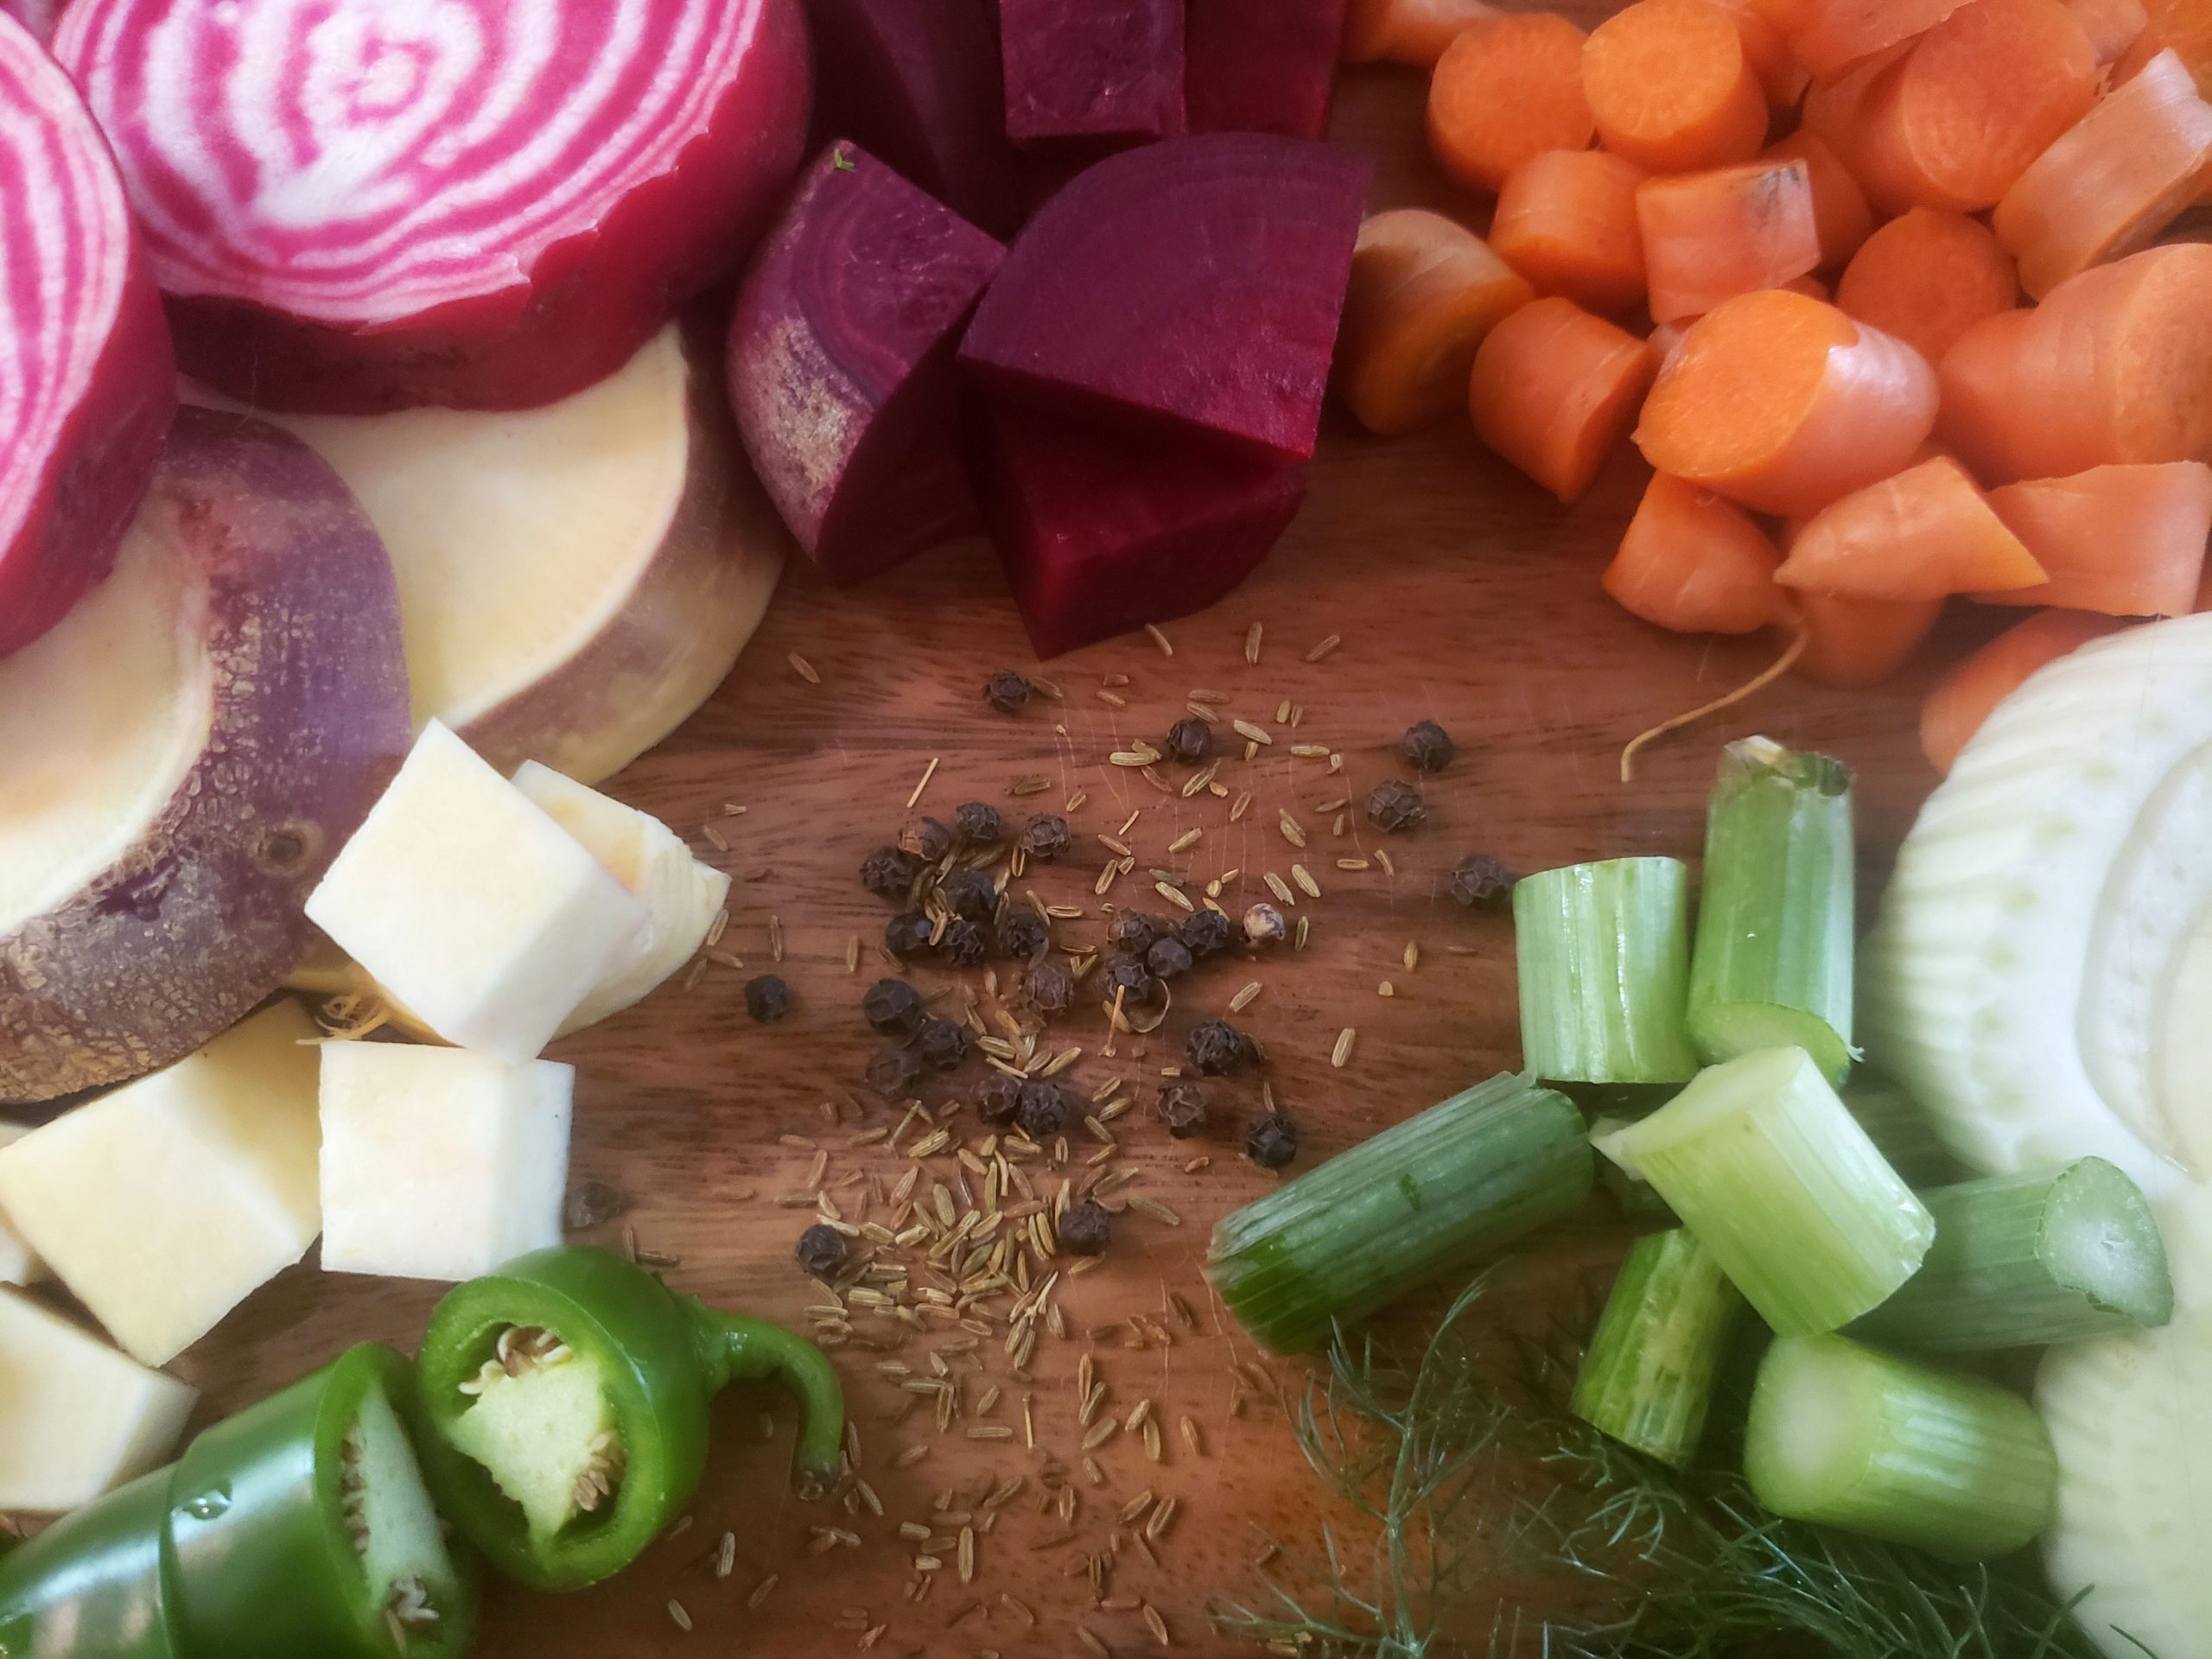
1420, 1199
1772, 967
2030, 1260
1902, 1129
1604, 953
1846, 1437
1637, 1202
1647, 1376
1761, 1161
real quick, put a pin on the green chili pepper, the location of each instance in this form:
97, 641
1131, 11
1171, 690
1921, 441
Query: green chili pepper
566, 1403
299, 1526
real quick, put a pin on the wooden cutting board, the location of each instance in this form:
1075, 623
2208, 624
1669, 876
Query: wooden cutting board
1457, 592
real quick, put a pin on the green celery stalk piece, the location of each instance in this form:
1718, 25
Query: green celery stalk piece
1603, 953
1647, 1378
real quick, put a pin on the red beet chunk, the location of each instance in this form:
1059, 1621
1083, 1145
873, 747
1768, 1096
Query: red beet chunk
37, 15
1091, 74
917, 83
1101, 534
1194, 283
1261, 66
842, 368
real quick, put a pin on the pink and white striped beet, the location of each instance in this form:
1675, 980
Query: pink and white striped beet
37, 15
486, 204
88, 385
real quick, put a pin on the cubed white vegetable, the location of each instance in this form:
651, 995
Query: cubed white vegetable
438, 1163
472, 907
77, 1418
19, 1263
164, 1202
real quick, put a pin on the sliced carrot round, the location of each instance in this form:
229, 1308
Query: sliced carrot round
1695, 563
1407, 31
1710, 236
1927, 277
2126, 540
1840, 209
1966, 696
2113, 26
1507, 88
1565, 220
1670, 87
1850, 644
2185, 27
1553, 390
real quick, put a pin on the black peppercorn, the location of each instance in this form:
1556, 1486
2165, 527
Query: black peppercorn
970, 894
891, 1007
1215, 1046
1428, 746
821, 1250
1272, 1142
1184, 1106
941, 1044
1050, 985
893, 1073
998, 1097
1086, 1228
1128, 975
1168, 958
908, 933
889, 873
1392, 806
1190, 740
1045, 1110
1045, 836
1264, 925
1480, 882
962, 944
1007, 691
767, 999
1134, 930
1022, 933
591, 1203
927, 839
978, 823
1205, 933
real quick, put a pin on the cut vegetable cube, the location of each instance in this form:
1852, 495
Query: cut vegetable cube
1647, 1376
1091, 73
77, 1418
1605, 959
440, 1164
164, 1204
19, 1263
1553, 390
472, 907
1261, 66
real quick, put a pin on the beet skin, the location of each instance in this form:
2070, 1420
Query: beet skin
1091, 75
1261, 66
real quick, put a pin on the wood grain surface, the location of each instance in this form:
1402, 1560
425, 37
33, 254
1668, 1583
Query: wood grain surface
1460, 593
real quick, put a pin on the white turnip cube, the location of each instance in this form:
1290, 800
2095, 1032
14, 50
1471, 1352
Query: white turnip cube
77, 1418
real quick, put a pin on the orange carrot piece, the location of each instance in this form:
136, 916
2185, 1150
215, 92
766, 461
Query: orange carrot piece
2203, 592
1926, 533
1957, 120
1664, 338
1781, 77
2114, 366
1840, 209
1783, 403
1424, 292
1850, 644
1927, 278
2118, 176
1835, 36
1553, 390
1407, 31
1966, 696
2186, 27
1710, 236
1507, 88
1671, 88
1695, 563
2113, 26
1566, 219
1811, 286
2127, 541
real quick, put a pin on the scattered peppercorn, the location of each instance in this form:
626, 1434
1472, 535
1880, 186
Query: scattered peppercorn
1007, 691
1215, 1047
978, 823
940, 1043
972, 895
962, 944
1168, 958
1428, 746
1050, 985
1022, 933
1264, 924
927, 839
1045, 1109
998, 1099
1190, 740
1086, 1228
1134, 930
1184, 1106
767, 999
591, 1203
1128, 975
1045, 836
1480, 882
1392, 806
1272, 1142
821, 1250
891, 1007
889, 873
1205, 933
908, 933
893, 1073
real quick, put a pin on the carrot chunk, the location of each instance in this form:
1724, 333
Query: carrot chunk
1424, 292
2184, 25
1927, 278
1840, 209
2117, 177
1507, 88
1710, 236
1566, 219
2114, 366
1926, 533
2127, 541
1671, 88
1407, 31
1553, 390
1832, 37
1966, 696
1850, 644
1695, 563
1781, 77
1783, 403
2113, 26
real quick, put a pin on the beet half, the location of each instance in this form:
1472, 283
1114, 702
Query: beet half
1261, 66
1089, 76
37, 15
469, 202
1194, 283
842, 366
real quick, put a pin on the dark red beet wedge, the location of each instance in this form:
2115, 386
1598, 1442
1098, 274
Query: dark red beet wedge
1091, 75
1261, 66
1193, 284
840, 363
